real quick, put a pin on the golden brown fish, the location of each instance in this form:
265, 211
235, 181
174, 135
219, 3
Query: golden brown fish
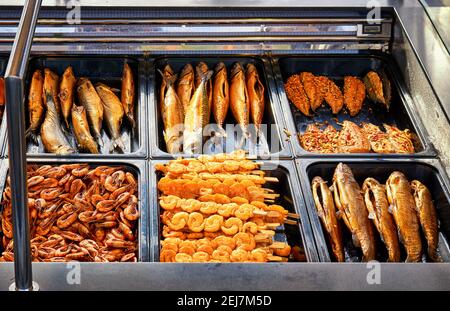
354, 94
127, 94
88, 97
51, 85
352, 139
379, 140
52, 135
221, 97
400, 197
296, 93
378, 88
350, 202
171, 111
310, 86
326, 211
401, 141
185, 86
168, 72
239, 100
36, 107
113, 113
427, 217
378, 208
81, 130
255, 91
197, 116
331, 93
203, 68
66, 93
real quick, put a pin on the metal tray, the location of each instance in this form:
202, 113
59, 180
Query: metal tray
290, 198
276, 147
429, 171
401, 114
136, 166
3, 64
99, 69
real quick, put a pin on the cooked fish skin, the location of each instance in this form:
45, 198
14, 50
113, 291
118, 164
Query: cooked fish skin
374, 87
352, 139
221, 97
296, 93
52, 136
378, 207
331, 93
427, 216
91, 101
318, 141
400, 140
379, 140
197, 115
172, 115
36, 107
185, 86
354, 94
51, 85
255, 90
239, 100
203, 68
401, 199
81, 130
168, 72
113, 114
326, 210
66, 93
350, 202
127, 94
387, 89
310, 86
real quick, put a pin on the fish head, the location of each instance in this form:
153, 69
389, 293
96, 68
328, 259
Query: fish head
236, 69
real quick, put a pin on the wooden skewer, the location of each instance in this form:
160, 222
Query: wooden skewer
267, 232
277, 258
272, 226
271, 179
271, 196
268, 190
278, 245
269, 201
290, 222
293, 215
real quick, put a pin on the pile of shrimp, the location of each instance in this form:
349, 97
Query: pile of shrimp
77, 213
215, 209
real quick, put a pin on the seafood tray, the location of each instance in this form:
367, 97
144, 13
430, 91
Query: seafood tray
274, 144
107, 70
428, 171
288, 185
137, 167
401, 113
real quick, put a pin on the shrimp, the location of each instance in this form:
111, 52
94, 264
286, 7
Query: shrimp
213, 223
169, 202
190, 205
240, 255
200, 256
180, 257
232, 226
209, 208
167, 255
245, 241
224, 240
178, 221
227, 210
244, 212
250, 227
196, 222
221, 255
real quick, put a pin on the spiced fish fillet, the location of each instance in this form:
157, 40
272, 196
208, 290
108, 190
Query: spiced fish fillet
36, 107
185, 86
88, 97
401, 199
326, 211
350, 202
379, 140
352, 139
172, 115
127, 94
401, 141
66, 93
354, 94
427, 217
378, 207
296, 93
197, 116
81, 130
239, 100
113, 114
221, 97
310, 86
255, 90
52, 135
331, 93
378, 88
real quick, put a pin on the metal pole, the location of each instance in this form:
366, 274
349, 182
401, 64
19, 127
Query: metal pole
15, 116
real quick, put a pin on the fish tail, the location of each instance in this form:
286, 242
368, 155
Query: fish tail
132, 122
33, 136
99, 139
117, 143
169, 80
204, 76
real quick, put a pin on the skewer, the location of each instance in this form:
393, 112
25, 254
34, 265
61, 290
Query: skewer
290, 222
278, 245
271, 196
293, 215
271, 179
277, 258
269, 201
